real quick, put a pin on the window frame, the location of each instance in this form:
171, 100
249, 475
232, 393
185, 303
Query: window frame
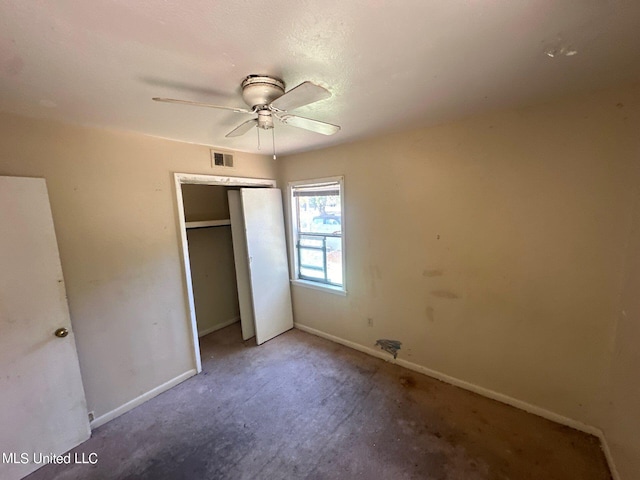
293, 238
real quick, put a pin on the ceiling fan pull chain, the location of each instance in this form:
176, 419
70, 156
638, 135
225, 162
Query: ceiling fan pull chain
273, 138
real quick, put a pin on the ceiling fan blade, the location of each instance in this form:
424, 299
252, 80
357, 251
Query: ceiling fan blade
303, 94
309, 124
200, 104
242, 128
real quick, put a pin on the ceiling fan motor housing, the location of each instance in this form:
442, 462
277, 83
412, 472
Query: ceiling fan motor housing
260, 90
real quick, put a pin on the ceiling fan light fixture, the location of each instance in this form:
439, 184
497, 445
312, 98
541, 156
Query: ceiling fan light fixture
265, 119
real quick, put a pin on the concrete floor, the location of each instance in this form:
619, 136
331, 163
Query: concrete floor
302, 407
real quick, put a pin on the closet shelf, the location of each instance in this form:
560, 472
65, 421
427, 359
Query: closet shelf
208, 223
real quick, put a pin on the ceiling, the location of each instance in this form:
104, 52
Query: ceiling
390, 65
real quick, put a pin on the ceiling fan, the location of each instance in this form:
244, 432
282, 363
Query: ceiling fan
267, 99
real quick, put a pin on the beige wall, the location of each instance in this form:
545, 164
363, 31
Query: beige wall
205, 202
492, 248
113, 203
213, 274
623, 421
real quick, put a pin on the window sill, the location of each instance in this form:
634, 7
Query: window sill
319, 286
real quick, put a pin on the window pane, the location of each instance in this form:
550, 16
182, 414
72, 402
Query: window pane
312, 258
318, 211
334, 260
311, 242
319, 214
310, 273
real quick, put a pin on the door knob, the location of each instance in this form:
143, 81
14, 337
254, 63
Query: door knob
61, 332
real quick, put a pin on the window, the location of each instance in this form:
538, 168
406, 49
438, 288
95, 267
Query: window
318, 240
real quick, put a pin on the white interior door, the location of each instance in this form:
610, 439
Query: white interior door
268, 265
242, 264
42, 404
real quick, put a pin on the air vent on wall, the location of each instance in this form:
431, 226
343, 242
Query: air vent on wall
219, 159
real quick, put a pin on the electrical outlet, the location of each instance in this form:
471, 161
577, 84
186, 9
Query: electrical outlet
370, 322
92, 416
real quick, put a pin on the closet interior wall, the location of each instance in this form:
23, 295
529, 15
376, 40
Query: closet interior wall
211, 258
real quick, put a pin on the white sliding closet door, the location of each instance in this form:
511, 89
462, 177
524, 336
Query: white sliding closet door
242, 264
267, 261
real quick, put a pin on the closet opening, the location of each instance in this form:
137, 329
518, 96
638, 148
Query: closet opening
232, 233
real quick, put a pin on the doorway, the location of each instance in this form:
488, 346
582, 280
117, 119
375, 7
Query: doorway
220, 230
211, 258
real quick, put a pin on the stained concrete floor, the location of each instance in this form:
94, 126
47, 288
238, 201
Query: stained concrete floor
302, 407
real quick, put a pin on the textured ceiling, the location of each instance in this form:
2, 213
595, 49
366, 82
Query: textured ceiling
389, 64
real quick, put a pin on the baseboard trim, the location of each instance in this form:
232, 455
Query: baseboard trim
116, 412
615, 475
219, 326
485, 392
